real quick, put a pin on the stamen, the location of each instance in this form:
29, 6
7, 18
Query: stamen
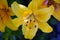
35, 26
1, 18
30, 20
29, 27
34, 20
27, 22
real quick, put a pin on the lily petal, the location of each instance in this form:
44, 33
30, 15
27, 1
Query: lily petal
26, 14
44, 4
11, 12
18, 9
17, 22
29, 29
44, 14
57, 1
9, 24
34, 4
4, 3
56, 13
45, 27
2, 26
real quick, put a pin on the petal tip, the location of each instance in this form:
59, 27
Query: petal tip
48, 31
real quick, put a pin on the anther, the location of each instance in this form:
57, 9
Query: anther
29, 27
27, 22
34, 20
35, 26
30, 20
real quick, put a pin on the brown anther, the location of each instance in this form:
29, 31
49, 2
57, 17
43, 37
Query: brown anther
29, 27
35, 26
27, 22
1, 18
34, 20
30, 20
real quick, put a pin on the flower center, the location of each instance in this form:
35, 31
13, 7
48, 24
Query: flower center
3, 12
51, 2
31, 21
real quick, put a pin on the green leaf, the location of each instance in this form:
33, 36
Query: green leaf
18, 33
6, 34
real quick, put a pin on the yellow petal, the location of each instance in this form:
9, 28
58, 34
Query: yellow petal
3, 3
2, 26
11, 12
29, 29
17, 22
43, 5
44, 14
57, 1
56, 13
18, 9
26, 14
34, 4
9, 24
45, 27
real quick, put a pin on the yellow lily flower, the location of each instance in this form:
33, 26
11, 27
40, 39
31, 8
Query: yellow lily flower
31, 18
5, 19
56, 4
